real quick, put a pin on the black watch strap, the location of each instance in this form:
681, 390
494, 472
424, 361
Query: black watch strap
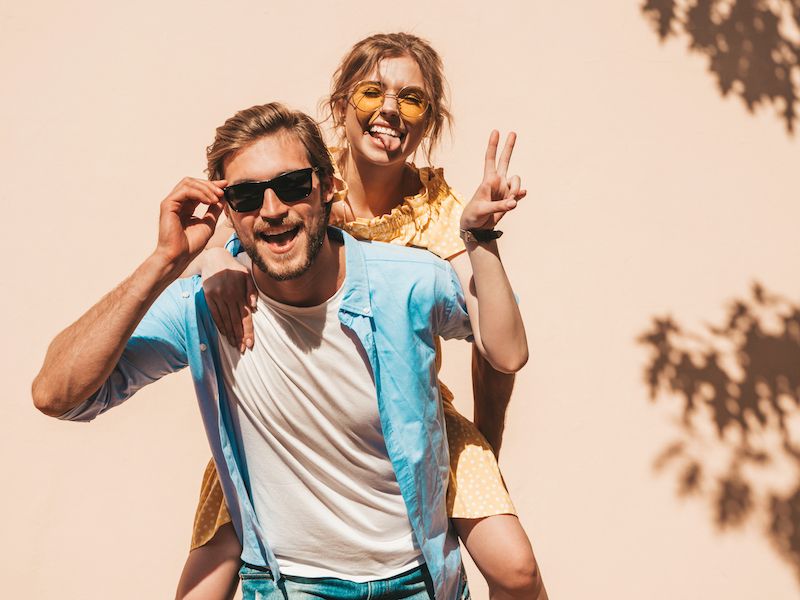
479, 235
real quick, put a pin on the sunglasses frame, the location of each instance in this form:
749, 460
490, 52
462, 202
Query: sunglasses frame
397, 98
269, 184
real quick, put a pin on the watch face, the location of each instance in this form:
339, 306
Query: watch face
480, 235
466, 235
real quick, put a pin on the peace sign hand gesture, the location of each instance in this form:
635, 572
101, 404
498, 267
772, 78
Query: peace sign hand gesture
497, 194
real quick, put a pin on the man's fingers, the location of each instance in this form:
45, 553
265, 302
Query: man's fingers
198, 190
205, 190
489, 164
211, 216
505, 157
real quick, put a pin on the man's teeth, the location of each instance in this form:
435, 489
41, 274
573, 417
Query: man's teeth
278, 231
386, 130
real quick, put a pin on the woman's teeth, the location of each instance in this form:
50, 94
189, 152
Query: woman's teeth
384, 130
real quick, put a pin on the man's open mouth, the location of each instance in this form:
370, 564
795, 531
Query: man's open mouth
279, 236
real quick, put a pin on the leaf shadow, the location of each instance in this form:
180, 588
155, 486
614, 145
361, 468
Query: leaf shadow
751, 45
734, 392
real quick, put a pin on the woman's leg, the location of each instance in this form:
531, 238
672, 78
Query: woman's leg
212, 571
503, 554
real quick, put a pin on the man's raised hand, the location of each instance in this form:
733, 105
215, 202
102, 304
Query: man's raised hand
181, 234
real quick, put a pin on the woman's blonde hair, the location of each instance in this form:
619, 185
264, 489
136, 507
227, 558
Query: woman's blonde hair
365, 56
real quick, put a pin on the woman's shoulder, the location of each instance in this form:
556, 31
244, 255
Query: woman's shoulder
438, 190
339, 184
445, 206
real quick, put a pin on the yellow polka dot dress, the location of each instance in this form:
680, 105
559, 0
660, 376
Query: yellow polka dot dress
429, 219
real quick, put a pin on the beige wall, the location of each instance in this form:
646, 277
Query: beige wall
649, 194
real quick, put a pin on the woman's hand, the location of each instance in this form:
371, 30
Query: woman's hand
498, 193
231, 296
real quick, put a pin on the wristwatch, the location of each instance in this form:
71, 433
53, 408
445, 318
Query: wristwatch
479, 235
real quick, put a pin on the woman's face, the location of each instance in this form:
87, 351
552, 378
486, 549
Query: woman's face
381, 134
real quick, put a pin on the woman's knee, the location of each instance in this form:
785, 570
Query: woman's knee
519, 577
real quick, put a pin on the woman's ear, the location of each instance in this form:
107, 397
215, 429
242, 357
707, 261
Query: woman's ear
339, 112
428, 125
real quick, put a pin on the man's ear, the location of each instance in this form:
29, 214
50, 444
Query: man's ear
329, 189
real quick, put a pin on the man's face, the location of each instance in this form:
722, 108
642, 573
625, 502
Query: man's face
281, 239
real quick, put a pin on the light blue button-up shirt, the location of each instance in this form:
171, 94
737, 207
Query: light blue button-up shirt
396, 300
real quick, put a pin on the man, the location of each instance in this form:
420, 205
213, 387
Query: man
330, 492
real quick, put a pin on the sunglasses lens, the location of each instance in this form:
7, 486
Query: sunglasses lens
289, 187
368, 97
245, 197
413, 103
294, 186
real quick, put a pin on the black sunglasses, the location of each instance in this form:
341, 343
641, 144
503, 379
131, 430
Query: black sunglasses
289, 187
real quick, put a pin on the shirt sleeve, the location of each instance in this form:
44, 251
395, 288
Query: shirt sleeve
233, 245
156, 348
452, 317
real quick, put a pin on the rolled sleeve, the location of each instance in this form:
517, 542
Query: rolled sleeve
156, 348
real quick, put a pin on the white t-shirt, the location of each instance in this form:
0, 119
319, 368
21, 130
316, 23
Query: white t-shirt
305, 414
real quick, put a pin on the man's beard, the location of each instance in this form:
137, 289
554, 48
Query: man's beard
313, 246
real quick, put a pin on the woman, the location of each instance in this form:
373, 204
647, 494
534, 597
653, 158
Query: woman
387, 102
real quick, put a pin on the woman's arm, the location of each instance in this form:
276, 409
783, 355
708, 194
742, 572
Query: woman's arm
491, 393
496, 321
221, 235
229, 288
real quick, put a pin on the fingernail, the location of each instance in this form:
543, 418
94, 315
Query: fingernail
253, 300
249, 343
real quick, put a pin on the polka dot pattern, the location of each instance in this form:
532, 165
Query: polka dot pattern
212, 512
429, 220
476, 486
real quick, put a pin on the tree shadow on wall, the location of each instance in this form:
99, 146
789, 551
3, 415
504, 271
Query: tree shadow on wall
737, 389
752, 45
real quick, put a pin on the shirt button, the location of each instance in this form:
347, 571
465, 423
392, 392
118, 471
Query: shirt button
184, 294
203, 347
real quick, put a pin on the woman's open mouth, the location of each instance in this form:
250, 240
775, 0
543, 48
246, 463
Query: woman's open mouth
388, 138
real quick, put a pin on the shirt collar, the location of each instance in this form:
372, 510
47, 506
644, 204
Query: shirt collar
356, 282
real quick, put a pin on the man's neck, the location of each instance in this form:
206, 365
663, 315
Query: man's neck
315, 286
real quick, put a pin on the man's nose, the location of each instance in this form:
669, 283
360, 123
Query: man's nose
272, 207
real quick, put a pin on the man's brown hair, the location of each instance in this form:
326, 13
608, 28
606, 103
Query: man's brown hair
251, 124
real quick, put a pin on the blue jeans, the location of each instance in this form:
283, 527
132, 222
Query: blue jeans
258, 584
